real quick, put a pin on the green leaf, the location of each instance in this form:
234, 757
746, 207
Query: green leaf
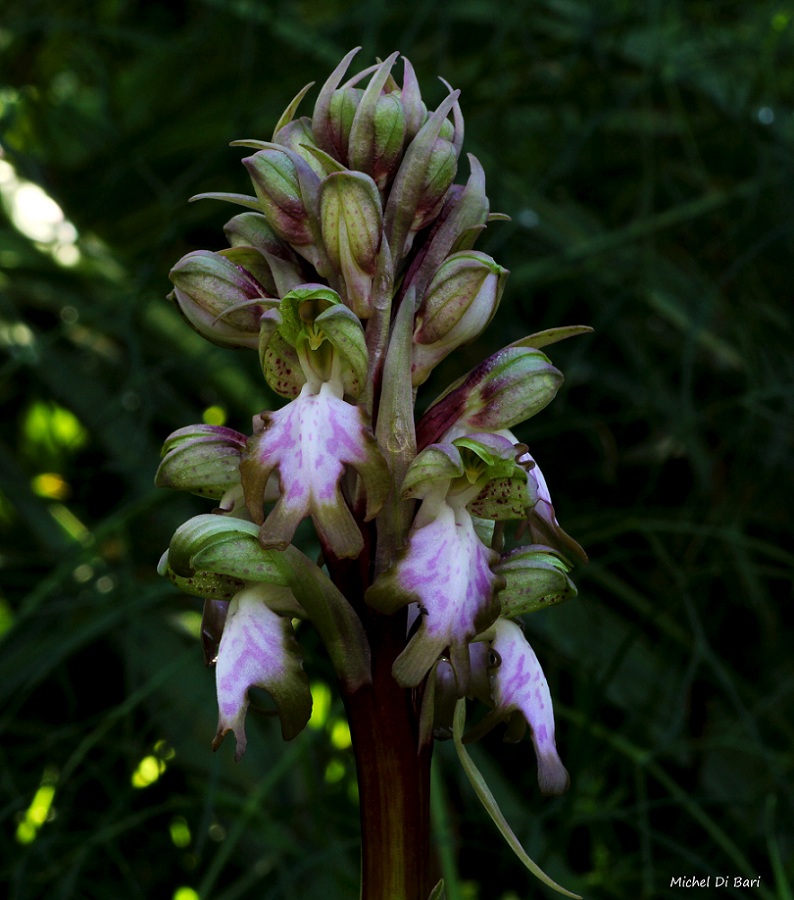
491, 806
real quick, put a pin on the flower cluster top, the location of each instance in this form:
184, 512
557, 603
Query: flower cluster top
352, 273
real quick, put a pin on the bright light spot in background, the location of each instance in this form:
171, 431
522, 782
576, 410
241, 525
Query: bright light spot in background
40, 809
766, 116
51, 486
185, 893
38, 216
150, 768
214, 415
321, 704
179, 831
340, 734
334, 771
49, 428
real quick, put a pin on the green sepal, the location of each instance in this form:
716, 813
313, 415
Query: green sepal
222, 545
330, 131
334, 618
493, 449
551, 336
208, 585
279, 360
304, 313
240, 199
536, 576
437, 463
492, 807
505, 492
289, 113
294, 316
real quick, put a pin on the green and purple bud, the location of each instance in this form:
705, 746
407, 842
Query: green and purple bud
221, 295
250, 229
536, 576
460, 221
460, 302
351, 222
503, 390
201, 459
420, 186
286, 187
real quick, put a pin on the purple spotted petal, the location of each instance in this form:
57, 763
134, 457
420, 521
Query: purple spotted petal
309, 442
519, 684
258, 649
447, 570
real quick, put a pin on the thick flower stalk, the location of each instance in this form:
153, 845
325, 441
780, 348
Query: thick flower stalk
353, 274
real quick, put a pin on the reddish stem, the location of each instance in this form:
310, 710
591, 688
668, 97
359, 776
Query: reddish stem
393, 775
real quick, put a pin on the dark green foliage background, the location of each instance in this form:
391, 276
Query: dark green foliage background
644, 152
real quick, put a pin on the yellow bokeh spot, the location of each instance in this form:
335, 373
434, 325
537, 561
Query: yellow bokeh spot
780, 21
40, 809
51, 425
185, 893
340, 734
50, 485
150, 768
214, 415
334, 771
180, 833
321, 704
26, 832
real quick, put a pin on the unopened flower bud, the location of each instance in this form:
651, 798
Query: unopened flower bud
427, 170
352, 228
377, 134
537, 577
298, 137
282, 180
342, 111
441, 171
202, 459
461, 219
460, 302
219, 298
503, 390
